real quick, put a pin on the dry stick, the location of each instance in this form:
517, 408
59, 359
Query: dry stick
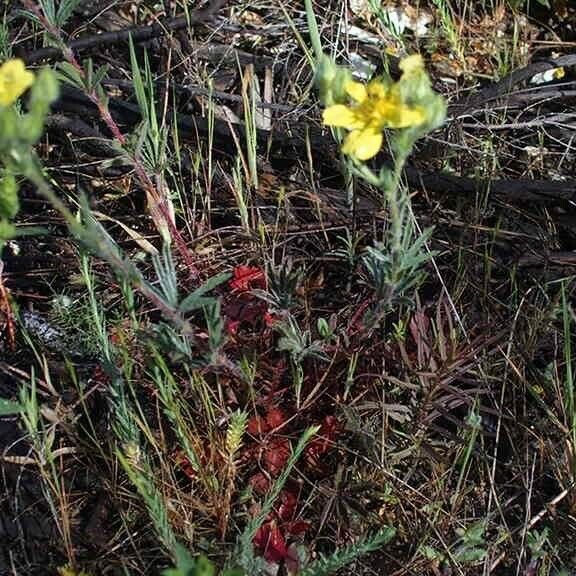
504, 86
521, 190
195, 90
138, 33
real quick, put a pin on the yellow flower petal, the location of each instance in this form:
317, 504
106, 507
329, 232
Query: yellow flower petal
408, 117
363, 144
14, 81
412, 64
376, 89
391, 113
341, 116
356, 91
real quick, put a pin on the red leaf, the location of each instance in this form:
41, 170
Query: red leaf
270, 541
275, 418
287, 508
183, 463
276, 455
257, 425
296, 528
270, 319
292, 560
260, 483
243, 310
261, 537
330, 428
322, 443
246, 278
232, 327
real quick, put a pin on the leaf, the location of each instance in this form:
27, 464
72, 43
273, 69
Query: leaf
187, 566
347, 554
276, 455
313, 30
270, 540
65, 10
9, 407
9, 203
470, 555
70, 75
7, 230
244, 548
247, 277
196, 300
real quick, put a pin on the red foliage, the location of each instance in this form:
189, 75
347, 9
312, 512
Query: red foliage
275, 418
232, 327
247, 278
287, 508
257, 425
323, 441
276, 454
260, 483
181, 460
269, 319
270, 542
244, 307
271, 539
245, 310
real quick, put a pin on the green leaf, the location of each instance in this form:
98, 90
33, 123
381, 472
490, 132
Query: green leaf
9, 407
326, 565
188, 566
470, 555
70, 75
65, 10
9, 204
45, 89
196, 300
7, 230
313, 29
99, 76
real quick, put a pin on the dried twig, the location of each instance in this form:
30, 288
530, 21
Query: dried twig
504, 86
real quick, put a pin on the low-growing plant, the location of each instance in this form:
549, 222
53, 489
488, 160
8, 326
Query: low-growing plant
393, 114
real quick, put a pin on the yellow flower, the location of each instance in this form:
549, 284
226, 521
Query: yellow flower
374, 107
14, 81
412, 64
